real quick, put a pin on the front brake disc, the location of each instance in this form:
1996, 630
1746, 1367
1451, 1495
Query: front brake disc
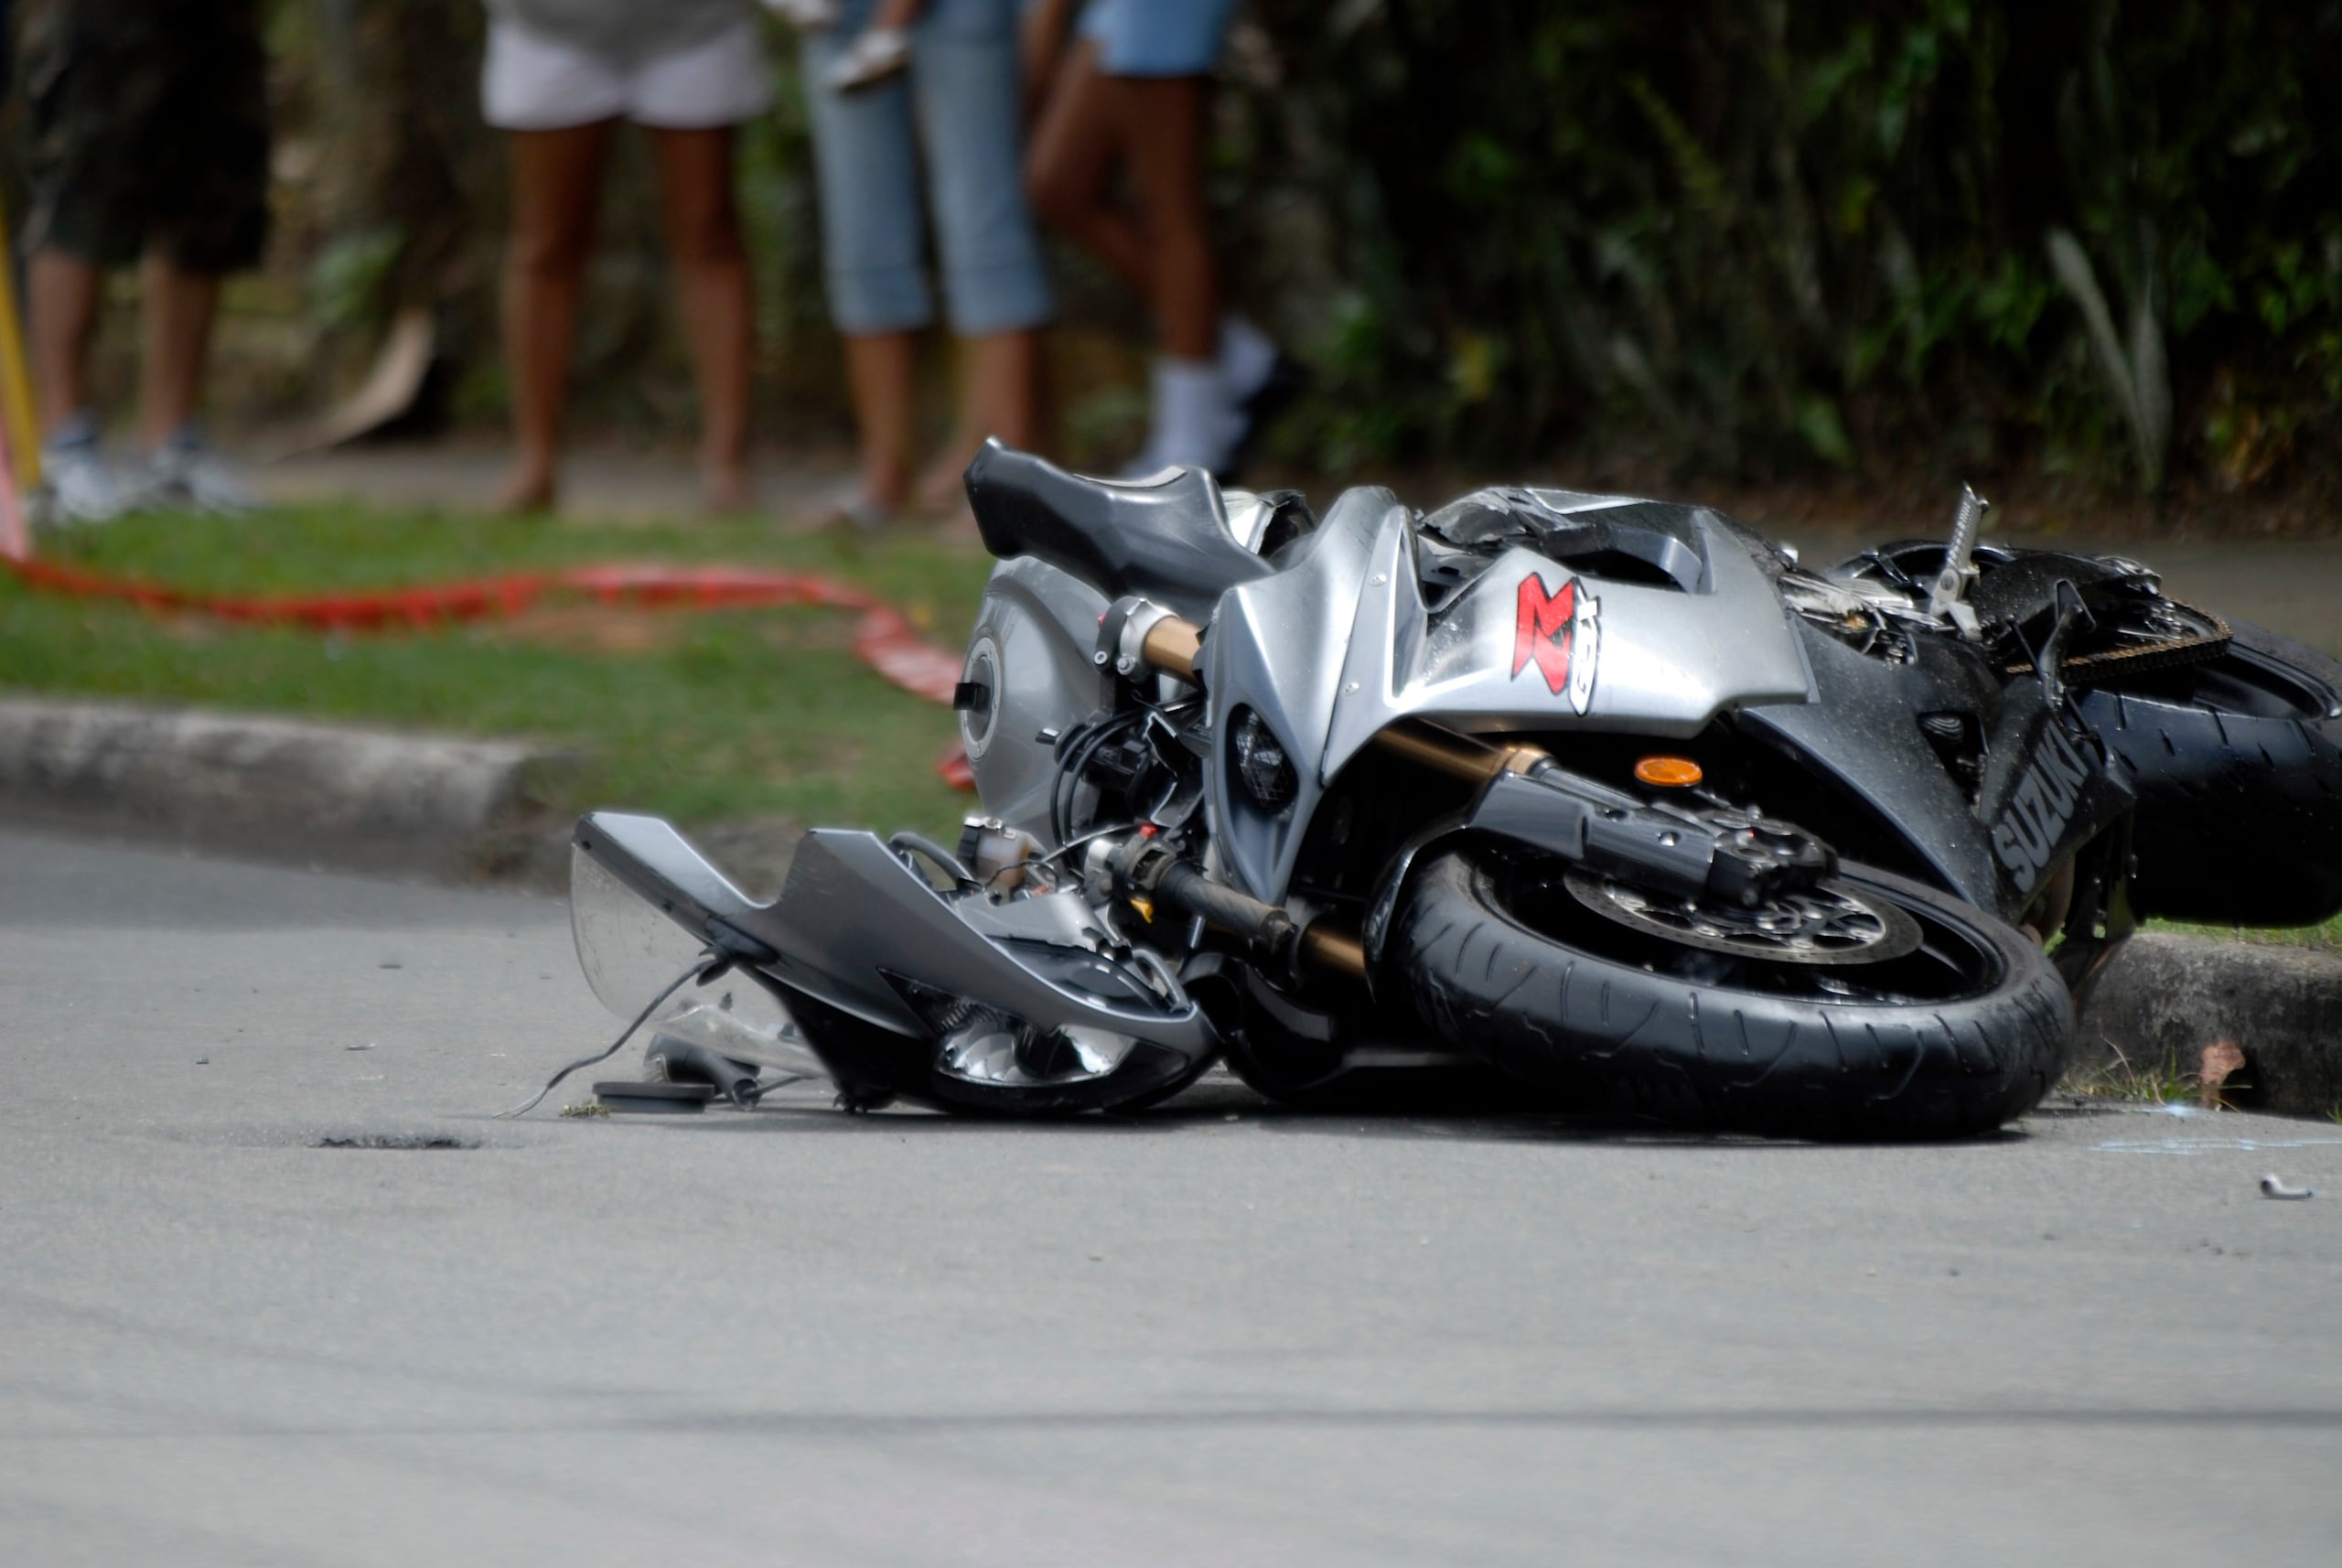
1828, 923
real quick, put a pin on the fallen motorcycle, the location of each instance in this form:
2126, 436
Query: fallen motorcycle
1607, 800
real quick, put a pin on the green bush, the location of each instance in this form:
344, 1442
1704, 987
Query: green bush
1758, 236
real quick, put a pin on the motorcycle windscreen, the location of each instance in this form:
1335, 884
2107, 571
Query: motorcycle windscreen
632, 951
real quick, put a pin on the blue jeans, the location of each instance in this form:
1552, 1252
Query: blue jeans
956, 110
1156, 37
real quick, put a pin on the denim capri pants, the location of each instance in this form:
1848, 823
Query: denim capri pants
955, 112
1156, 37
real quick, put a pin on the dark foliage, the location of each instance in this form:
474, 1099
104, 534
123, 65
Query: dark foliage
1755, 236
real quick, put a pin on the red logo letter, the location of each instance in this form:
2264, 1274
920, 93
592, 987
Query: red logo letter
1542, 631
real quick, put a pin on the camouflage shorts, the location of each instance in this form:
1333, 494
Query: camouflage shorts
148, 130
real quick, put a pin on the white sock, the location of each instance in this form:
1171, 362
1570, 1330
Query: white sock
1195, 421
1247, 354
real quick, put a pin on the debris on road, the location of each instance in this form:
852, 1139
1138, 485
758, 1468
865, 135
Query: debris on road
624, 1097
2270, 1186
2222, 1059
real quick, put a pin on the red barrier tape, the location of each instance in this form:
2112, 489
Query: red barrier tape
883, 638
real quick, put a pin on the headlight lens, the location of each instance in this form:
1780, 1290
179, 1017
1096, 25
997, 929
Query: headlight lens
981, 1045
1262, 764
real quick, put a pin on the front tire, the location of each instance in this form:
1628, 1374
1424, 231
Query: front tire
1956, 1037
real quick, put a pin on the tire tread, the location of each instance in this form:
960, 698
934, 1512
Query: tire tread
1707, 1056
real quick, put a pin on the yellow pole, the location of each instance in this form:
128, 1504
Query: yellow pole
16, 385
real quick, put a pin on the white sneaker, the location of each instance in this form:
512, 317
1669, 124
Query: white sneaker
806, 15
77, 485
877, 54
186, 475
1248, 358
1194, 425
851, 508
1261, 379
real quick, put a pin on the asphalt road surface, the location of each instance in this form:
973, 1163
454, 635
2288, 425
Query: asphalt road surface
1218, 1334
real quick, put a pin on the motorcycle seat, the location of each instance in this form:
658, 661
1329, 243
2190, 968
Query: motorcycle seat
1166, 537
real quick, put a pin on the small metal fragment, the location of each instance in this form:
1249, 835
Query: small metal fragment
2270, 1186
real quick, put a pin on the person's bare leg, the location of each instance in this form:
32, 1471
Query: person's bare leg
1070, 162
1155, 126
63, 291
702, 223
556, 199
879, 368
1041, 47
1000, 394
1163, 135
1195, 419
176, 309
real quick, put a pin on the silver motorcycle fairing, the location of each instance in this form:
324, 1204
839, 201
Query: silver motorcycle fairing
2042, 797
1031, 644
853, 913
1339, 643
1038, 624
1531, 645
1342, 644
1276, 647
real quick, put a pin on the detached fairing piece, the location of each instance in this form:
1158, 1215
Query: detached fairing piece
1604, 798
854, 921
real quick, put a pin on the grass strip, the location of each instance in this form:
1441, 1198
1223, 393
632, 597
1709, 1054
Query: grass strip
698, 716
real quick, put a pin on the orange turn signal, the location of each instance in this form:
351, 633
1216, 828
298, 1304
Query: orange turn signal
1669, 772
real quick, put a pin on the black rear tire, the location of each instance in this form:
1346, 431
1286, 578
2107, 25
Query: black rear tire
1953, 1039
2238, 763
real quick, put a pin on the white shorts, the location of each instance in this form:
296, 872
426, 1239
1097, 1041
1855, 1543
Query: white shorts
532, 83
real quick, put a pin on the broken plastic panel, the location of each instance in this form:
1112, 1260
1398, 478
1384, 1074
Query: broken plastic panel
630, 952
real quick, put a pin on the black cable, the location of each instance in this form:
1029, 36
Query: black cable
1067, 783
707, 966
1066, 788
1070, 750
922, 845
1086, 743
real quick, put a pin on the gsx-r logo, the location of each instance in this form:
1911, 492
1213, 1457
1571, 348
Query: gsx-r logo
1561, 633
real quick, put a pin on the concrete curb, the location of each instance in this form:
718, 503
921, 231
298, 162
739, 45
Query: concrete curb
2161, 999
286, 789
